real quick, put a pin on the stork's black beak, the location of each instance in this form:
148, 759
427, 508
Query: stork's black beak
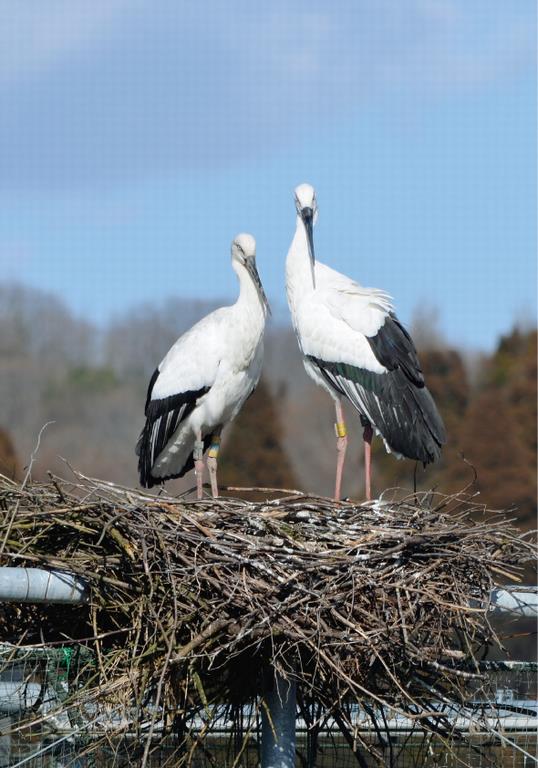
250, 264
307, 215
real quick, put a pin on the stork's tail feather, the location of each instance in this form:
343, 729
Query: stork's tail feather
410, 425
147, 479
144, 453
402, 412
426, 435
163, 417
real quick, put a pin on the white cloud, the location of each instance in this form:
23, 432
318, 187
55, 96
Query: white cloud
36, 35
301, 40
97, 89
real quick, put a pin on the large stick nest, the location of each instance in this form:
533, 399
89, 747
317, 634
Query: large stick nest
193, 602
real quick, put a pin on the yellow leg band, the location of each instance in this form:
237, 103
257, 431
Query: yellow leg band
214, 448
340, 429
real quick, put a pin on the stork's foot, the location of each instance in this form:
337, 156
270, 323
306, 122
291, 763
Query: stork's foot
341, 447
199, 472
212, 467
367, 436
212, 456
198, 455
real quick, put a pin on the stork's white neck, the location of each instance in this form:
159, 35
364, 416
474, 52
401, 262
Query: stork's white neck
298, 267
249, 300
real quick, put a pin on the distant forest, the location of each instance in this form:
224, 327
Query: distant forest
91, 383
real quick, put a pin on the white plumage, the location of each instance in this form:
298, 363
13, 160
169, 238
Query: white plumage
355, 347
203, 381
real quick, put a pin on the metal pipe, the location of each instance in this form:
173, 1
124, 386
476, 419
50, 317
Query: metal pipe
35, 585
278, 725
520, 602
17, 696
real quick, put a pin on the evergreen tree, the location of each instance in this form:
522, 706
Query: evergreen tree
492, 445
252, 453
493, 425
500, 427
9, 462
513, 371
446, 379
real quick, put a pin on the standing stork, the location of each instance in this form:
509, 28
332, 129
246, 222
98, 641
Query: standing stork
354, 346
204, 380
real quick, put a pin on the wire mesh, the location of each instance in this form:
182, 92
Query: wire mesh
45, 722
38, 720
499, 728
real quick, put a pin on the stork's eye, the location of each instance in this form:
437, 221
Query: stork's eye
241, 254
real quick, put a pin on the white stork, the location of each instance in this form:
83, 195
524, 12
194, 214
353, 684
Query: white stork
354, 346
204, 380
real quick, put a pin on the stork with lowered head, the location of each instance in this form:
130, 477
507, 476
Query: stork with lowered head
203, 381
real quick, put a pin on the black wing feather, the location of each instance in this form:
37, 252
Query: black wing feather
152, 381
397, 402
189, 464
162, 419
394, 348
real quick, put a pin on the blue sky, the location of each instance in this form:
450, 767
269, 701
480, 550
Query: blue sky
137, 138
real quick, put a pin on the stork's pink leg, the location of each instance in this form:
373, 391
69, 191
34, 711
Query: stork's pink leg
198, 456
341, 446
367, 437
212, 456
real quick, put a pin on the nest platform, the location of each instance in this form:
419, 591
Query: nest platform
195, 603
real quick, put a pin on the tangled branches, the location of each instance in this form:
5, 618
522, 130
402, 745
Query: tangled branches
194, 603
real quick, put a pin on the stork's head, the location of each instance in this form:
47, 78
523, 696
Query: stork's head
307, 209
244, 255
305, 201
243, 248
